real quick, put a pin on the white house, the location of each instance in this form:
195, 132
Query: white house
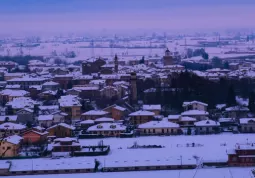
107, 129
247, 125
207, 127
195, 105
199, 115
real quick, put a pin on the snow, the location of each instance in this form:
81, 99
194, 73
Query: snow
226, 120
194, 113
194, 102
106, 127
142, 113
12, 118
63, 125
220, 106
247, 120
22, 102
104, 119
152, 107
198, 173
95, 112
237, 108
14, 139
66, 139
12, 126
45, 117
206, 123
185, 118
87, 122
69, 101
158, 124
119, 108
51, 83
173, 117
14, 93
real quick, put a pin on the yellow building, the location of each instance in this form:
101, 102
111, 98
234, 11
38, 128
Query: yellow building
71, 105
10, 146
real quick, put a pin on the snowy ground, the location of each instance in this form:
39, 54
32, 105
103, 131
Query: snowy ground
200, 173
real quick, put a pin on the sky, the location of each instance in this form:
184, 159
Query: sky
27, 16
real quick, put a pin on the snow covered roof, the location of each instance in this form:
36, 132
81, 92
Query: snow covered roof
226, 120
173, 117
247, 120
87, 122
69, 101
220, 106
152, 107
14, 139
194, 113
16, 86
63, 125
95, 112
45, 117
142, 113
206, 123
119, 108
50, 83
22, 102
237, 108
50, 107
12, 126
194, 102
104, 119
12, 118
107, 127
14, 93
186, 118
66, 139
158, 124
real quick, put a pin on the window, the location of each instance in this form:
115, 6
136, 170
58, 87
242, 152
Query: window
153, 130
234, 159
56, 171
77, 170
67, 171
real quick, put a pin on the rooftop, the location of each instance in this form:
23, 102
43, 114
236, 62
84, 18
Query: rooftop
158, 124
142, 113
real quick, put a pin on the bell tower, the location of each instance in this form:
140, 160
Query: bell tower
133, 80
116, 64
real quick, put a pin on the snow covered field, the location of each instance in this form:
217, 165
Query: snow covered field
201, 173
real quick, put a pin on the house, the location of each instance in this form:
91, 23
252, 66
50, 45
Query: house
71, 105
33, 136
8, 95
228, 124
25, 115
247, 125
207, 127
236, 112
117, 112
195, 105
242, 155
8, 118
66, 144
61, 130
94, 114
110, 92
159, 128
153, 108
50, 86
84, 125
45, 120
104, 120
199, 115
107, 129
174, 118
186, 121
10, 146
140, 117
8, 129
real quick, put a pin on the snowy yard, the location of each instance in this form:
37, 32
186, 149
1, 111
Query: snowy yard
201, 173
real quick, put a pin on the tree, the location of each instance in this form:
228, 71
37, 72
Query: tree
251, 105
29, 124
142, 60
226, 65
216, 62
205, 55
231, 97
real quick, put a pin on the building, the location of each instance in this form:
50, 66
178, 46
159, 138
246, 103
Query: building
242, 155
33, 136
70, 105
199, 115
94, 114
65, 81
45, 120
10, 146
66, 145
92, 66
133, 85
168, 58
104, 120
207, 127
247, 125
8, 95
195, 105
25, 116
107, 129
237, 112
141, 117
110, 92
153, 108
8, 129
228, 124
25, 81
116, 112
8, 118
50, 86
159, 128
61, 130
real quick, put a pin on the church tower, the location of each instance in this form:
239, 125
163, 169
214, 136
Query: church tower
116, 64
133, 81
168, 58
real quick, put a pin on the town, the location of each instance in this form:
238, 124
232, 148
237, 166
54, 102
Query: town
59, 110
